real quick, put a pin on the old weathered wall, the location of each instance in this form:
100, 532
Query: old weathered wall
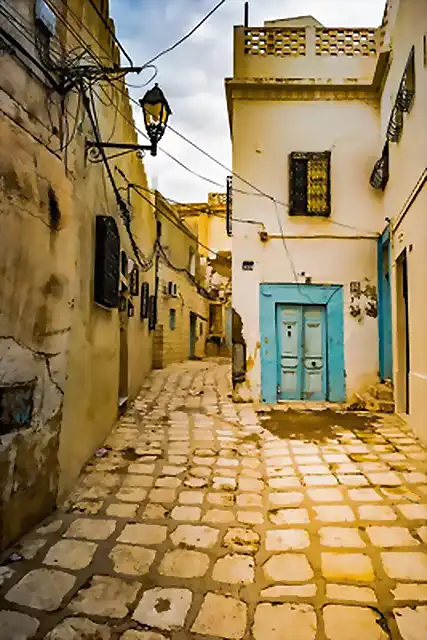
405, 202
59, 352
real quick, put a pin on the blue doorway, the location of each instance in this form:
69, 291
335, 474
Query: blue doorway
313, 315
301, 332
384, 307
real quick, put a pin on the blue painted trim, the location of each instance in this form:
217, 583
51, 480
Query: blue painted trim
384, 309
330, 296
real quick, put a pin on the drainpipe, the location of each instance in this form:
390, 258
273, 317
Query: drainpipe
246, 15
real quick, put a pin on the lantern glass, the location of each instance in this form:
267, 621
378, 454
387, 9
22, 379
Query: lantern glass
156, 112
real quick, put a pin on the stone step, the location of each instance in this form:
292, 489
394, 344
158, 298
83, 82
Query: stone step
376, 405
382, 392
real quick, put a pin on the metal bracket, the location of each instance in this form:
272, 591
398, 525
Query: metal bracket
126, 148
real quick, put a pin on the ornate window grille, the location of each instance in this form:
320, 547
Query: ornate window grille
395, 125
380, 174
405, 96
310, 184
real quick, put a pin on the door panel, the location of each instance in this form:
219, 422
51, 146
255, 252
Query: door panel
313, 353
289, 333
301, 352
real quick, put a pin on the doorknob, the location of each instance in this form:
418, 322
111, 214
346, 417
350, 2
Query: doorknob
313, 363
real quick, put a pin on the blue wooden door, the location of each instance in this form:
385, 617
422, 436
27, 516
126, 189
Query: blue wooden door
301, 331
384, 307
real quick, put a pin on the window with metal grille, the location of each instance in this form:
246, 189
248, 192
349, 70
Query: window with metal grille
107, 262
310, 184
172, 319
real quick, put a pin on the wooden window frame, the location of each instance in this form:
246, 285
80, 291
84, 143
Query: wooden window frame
298, 206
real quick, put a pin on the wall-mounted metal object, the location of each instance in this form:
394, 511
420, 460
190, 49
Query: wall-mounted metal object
152, 313
123, 303
380, 173
229, 205
131, 309
248, 265
45, 17
134, 282
107, 262
145, 292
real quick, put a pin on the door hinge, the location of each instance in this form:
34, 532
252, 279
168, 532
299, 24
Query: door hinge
278, 390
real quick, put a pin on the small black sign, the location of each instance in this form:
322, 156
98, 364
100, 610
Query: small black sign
134, 282
248, 265
145, 292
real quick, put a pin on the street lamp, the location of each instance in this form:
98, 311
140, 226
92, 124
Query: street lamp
156, 112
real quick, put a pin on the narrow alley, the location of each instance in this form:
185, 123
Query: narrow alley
201, 517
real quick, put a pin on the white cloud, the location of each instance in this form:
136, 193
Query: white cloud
192, 76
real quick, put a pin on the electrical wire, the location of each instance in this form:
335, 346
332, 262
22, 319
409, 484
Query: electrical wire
111, 31
187, 35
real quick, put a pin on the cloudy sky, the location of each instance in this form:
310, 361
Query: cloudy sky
192, 76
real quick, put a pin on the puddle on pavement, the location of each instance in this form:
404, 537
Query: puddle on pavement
313, 426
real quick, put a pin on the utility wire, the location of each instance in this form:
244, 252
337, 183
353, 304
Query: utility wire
111, 31
187, 35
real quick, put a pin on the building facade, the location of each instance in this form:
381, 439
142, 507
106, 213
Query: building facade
208, 221
182, 303
73, 342
304, 115
401, 174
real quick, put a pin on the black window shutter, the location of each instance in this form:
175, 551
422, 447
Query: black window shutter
145, 292
107, 262
152, 313
297, 185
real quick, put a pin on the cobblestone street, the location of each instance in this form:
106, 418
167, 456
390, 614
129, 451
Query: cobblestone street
206, 519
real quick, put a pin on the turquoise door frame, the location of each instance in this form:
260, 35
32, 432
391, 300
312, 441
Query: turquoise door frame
302, 348
384, 306
329, 296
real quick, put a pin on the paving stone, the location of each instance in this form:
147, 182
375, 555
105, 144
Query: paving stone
410, 592
286, 540
168, 483
131, 494
5, 574
320, 481
195, 483
250, 517
288, 567
224, 483
249, 500
42, 589
17, 626
375, 512
165, 609
334, 513
29, 548
51, 527
413, 511
283, 483
137, 481
221, 616
195, 536
79, 629
364, 495
284, 622
143, 534
382, 536
105, 596
388, 479
71, 554
154, 512
289, 516
234, 569
286, 591
412, 623
191, 497
340, 537
325, 495
352, 480
91, 529
243, 540
162, 495
183, 563
220, 499
122, 510
188, 514
251, 485
218, 516
131, 634
131, 560
352, 623
347, 567
350, 593
405, 565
